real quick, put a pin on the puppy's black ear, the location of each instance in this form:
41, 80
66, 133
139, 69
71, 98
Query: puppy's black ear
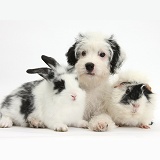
71, 57
117, 57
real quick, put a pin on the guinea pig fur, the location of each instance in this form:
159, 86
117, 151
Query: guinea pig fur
132, 102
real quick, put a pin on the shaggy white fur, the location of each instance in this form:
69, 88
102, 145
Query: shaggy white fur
95, 57
131, 101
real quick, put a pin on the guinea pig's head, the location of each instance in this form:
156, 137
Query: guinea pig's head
133, 97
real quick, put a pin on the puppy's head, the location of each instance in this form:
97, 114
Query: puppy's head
95, 56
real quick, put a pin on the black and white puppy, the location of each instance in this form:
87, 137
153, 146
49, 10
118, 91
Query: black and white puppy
95, 57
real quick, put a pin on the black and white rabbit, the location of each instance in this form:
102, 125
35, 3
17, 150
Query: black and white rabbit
55, 101
131, 100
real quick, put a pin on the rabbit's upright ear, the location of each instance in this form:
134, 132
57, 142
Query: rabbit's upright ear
51, 62
46, 73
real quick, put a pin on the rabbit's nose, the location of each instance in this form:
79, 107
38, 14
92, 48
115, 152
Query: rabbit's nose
135, 105
73, 97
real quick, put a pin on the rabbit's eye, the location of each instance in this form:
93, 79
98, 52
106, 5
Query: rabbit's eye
127, 91
59, 86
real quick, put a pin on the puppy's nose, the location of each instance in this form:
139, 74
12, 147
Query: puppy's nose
89, 66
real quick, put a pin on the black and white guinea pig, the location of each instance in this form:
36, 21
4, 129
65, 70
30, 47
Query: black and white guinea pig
56, 101
132, 102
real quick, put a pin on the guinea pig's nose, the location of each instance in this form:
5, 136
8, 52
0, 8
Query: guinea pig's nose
135, 105
89, 66
73, 97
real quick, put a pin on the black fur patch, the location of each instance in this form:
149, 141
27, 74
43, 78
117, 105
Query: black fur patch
27, 98
25, 93
7, 101
59, 86
135, 92
115, 62
71, 59
27, 105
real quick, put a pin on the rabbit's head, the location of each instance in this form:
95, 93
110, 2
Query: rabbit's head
62, 80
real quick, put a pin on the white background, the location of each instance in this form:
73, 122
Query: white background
32, 28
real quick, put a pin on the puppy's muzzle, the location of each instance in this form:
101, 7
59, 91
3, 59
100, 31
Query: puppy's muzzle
89, 66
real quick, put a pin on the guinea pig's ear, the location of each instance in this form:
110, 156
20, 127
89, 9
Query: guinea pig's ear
71, 55
148, 87
117, 56
118, 86
122, 84
51, 62
46, 73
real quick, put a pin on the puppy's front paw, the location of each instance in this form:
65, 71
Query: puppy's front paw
83, 124
60, 127
101, 123
99, 126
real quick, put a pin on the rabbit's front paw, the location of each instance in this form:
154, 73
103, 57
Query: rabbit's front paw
5, 122
35, 123
60, 127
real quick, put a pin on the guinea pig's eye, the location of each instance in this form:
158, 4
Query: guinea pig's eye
83, 53
102, 54
127, 91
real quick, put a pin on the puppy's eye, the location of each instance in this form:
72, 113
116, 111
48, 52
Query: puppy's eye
102, 54
83, 53
127, 91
